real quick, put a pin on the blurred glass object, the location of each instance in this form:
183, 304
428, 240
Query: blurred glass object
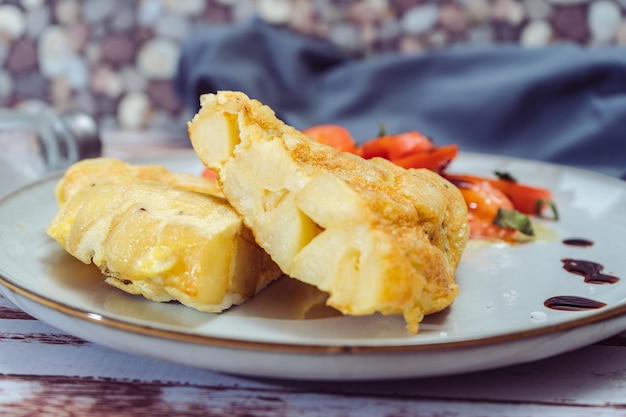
36, 143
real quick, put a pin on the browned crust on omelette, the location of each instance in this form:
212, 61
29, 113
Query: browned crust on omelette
390, 241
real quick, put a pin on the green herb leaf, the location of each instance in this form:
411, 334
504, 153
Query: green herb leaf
382, 131
506, 176
515, 220
541, 203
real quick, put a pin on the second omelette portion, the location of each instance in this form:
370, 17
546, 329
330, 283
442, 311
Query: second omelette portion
163, 235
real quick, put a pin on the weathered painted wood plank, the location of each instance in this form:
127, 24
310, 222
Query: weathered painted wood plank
32, 396
593, 376
590, 378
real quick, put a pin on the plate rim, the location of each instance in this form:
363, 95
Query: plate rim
329, 349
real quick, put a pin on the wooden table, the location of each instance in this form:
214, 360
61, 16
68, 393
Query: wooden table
44, 371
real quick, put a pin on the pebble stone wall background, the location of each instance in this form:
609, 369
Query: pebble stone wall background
115, 59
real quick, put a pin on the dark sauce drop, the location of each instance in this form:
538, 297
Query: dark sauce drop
572, 303
592, 271
578, 242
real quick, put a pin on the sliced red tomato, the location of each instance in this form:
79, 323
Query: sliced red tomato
436, 159
482, 198
526, 199
333, 135
395, 146
481, 229
209, 174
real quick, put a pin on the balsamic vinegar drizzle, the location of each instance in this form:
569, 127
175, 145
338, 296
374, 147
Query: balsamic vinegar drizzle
572, 303
592, 271
578, 242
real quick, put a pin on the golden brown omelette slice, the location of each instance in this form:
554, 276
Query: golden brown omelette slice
166, 236
376, 237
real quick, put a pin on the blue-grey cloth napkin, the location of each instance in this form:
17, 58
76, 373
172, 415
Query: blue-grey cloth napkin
564, 104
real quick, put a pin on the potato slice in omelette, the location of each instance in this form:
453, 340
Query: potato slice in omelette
163, 235
374, 236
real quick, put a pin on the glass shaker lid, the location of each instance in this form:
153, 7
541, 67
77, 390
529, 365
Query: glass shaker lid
85, 131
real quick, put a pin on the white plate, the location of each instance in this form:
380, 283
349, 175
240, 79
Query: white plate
498, 319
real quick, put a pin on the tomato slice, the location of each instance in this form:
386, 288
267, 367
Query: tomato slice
209, 174
482, 198
480, 229
526, 199
436, 159
333, 135
395, 146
